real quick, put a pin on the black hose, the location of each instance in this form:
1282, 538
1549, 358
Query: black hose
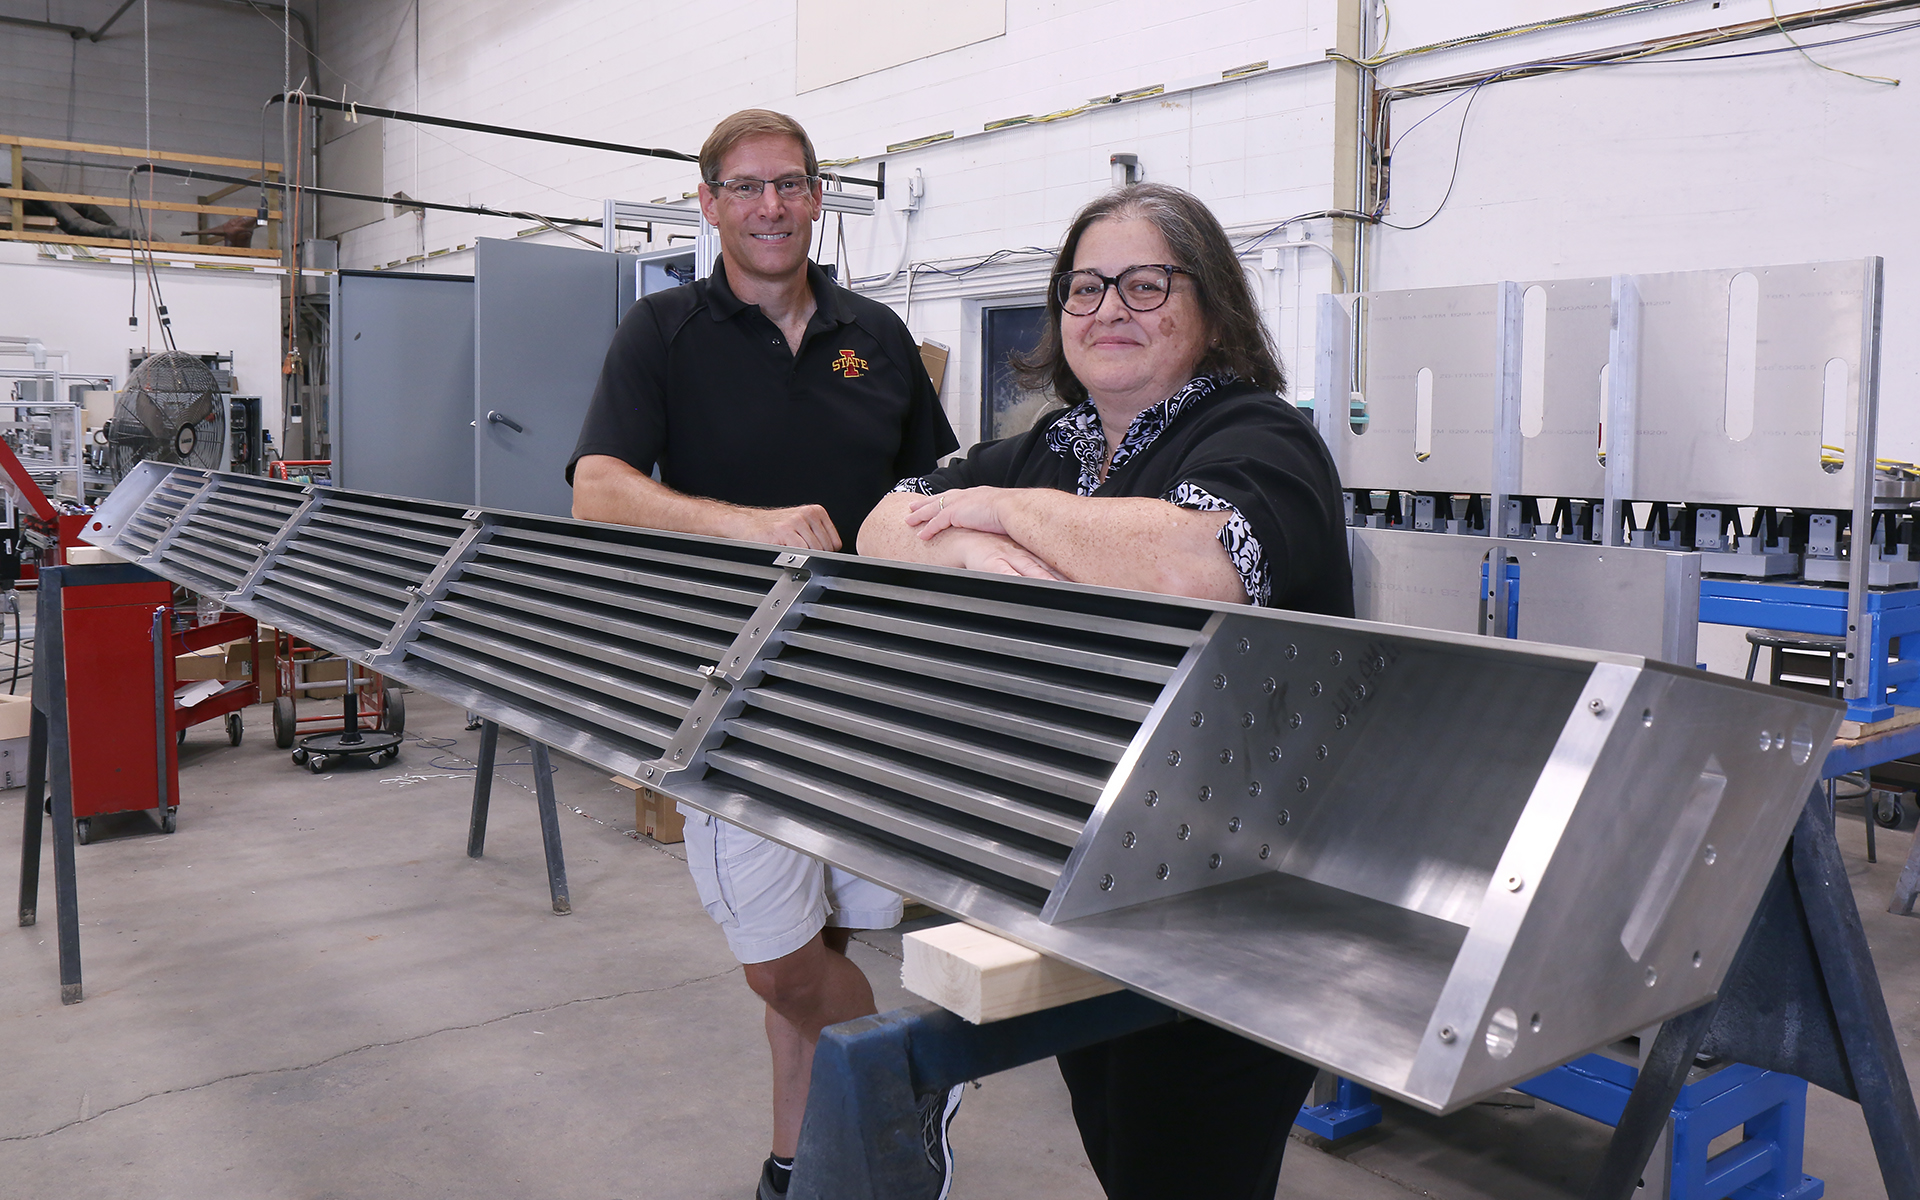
85, 220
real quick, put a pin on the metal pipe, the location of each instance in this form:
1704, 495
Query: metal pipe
477, 210
73, 31
394, 114
101, 32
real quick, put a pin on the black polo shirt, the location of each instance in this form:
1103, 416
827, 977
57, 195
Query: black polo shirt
705, 386
1243, 445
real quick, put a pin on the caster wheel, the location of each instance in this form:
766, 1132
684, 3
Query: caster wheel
396, 721
234, 728
167, 820
299, 758
391, 755
316, 763
83, 831
1889, 813
180, 739
283, 722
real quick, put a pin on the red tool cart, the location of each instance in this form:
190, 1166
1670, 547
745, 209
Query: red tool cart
233, 694
119, 644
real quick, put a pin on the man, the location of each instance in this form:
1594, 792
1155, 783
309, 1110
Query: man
777, 408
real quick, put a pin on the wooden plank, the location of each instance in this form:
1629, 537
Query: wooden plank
121, 202
984, 977
68, 239
208, 160
1856, 731
19, 206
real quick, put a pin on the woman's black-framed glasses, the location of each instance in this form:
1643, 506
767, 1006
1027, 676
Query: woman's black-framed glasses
1142, 288
787, 187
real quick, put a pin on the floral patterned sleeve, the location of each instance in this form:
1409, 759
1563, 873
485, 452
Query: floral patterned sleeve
1236, 536
917, 485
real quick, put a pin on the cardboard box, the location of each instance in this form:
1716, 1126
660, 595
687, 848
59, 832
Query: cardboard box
13, 763
16, 717
653, 814
933, 356
319, 672
210, 663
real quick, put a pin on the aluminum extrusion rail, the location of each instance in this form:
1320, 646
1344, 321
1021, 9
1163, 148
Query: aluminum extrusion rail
1295, 827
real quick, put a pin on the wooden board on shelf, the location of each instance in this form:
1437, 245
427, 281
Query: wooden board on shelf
6, 139
222, 210
68, 239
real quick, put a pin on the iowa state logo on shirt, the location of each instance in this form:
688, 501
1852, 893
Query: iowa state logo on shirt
849, 364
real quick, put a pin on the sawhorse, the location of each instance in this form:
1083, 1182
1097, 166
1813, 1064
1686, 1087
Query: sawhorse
47, 749
543, 794
1804, 965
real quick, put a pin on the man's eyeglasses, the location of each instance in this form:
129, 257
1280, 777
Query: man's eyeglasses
1142, 289
787, 187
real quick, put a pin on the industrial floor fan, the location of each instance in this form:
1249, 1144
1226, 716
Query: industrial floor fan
171, 411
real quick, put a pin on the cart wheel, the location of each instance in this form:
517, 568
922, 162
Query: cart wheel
283, 721
234, 728
83, 831
1889, 813
391, 754
396, 712
316, 763
167, 821
180, 739
300, 758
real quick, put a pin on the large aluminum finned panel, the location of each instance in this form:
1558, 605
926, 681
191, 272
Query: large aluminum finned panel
1433, 862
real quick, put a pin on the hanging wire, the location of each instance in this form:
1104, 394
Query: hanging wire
1879, 79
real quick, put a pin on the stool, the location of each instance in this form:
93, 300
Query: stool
1786, 646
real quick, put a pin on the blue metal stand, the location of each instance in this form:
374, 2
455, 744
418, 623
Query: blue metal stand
1350, 1110
1810, 608
1772, 1107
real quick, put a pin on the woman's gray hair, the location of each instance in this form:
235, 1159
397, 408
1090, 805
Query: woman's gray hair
1237, 340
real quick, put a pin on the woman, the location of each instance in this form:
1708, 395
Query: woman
1175, 468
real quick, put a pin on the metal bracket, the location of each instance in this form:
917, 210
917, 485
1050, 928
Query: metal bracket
434, 586
738, 670
207, 488
1862, 462
1509, 309
1623, 406
271, 553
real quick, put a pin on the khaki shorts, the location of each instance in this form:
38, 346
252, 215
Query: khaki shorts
770, 900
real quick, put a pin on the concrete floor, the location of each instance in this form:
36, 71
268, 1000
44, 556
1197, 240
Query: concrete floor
311, 992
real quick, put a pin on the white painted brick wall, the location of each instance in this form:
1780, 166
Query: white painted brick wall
211, 67
1258, 150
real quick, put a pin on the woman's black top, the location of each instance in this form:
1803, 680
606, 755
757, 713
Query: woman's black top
1213, 445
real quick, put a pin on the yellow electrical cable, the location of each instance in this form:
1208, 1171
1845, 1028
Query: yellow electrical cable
1881, 79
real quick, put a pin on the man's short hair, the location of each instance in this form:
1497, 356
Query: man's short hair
752, 122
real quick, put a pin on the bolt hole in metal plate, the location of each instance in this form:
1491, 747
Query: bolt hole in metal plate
1311, 773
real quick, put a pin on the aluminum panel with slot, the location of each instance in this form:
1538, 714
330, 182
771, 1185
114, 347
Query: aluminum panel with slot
1449, 334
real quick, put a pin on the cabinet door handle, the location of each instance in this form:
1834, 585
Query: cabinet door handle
500, 418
